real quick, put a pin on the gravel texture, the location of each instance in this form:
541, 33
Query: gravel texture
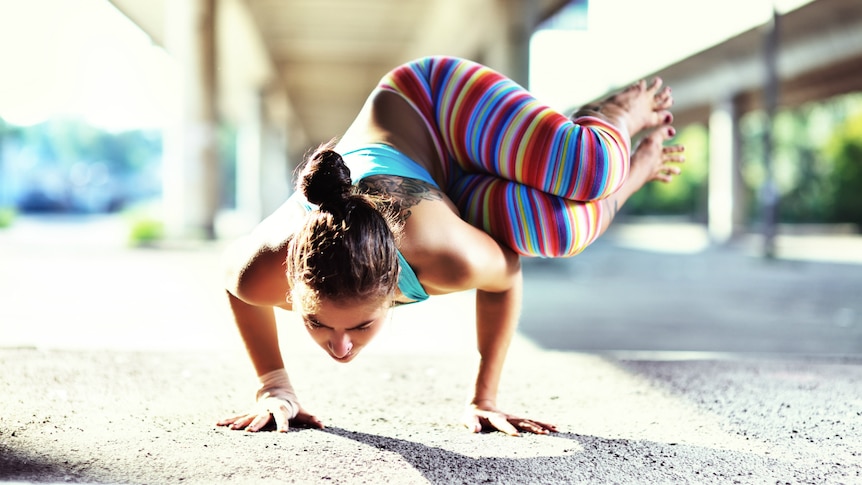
711, 367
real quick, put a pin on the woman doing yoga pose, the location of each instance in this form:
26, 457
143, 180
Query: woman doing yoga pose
449, 174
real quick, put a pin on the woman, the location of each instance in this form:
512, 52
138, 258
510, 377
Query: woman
447, 176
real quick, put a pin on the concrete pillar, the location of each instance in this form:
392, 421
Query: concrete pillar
191, 187
526, 18
263, 172
508, 45
249, 174
284, 144
769, 191
277, 170
726, 207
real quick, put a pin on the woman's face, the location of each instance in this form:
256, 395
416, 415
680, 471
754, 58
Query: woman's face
343, 329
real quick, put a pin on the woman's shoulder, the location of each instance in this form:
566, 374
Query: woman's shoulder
254, 263
449, 255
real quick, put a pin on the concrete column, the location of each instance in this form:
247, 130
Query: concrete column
191, 169
249, 175
508, 46
277, 170
284, 144
726, 208
263, 169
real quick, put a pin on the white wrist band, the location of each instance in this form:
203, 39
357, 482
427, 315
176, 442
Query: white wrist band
276, 384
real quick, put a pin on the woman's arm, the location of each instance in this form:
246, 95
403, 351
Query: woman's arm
469, 258
497, 315
255, 284
257, 328
276, 399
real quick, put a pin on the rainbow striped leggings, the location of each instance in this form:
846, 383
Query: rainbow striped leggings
526, 174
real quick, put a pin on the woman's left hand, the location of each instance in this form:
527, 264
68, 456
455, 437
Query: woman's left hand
486, 417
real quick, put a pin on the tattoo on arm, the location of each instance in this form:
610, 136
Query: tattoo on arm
403, 192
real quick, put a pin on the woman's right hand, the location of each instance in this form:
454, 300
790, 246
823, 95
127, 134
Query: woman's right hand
272, 408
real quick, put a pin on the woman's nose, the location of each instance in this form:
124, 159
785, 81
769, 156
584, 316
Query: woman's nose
340, 345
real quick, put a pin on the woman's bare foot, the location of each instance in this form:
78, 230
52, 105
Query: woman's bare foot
651, 160
638, 107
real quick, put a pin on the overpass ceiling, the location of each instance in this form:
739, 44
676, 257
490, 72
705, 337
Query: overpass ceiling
328, 55
819, 56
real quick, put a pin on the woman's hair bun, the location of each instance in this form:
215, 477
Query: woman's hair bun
325, 179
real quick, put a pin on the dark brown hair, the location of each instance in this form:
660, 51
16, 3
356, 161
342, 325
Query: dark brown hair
347, 248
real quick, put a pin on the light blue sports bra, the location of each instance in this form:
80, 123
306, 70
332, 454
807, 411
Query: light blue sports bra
382, 159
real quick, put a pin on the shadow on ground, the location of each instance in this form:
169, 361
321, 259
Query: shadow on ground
590, 459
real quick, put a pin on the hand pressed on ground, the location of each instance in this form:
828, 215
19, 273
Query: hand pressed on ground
271, 410
487, 417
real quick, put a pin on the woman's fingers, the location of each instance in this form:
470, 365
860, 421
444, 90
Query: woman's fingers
545, 427
305, 419
229, 421
533, 426
473, 424
501, 423
282, 420
258, 422
279, 412
240, 422
249, 422
476, 420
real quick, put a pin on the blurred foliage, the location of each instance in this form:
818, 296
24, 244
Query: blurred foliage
817, 166
65, 141
845, 148
7, 216
816, 161
145, 227
686, 194
146, 232
69, 165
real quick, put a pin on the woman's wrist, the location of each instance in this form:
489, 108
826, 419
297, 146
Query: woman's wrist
488, 402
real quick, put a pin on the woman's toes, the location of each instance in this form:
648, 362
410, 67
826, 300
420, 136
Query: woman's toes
663, 99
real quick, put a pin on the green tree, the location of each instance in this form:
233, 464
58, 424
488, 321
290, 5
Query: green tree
845, 149
813, 164
686, 195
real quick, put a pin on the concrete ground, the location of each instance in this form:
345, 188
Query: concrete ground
660, 363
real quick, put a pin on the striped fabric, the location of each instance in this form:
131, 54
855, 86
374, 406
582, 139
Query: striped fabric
524, 173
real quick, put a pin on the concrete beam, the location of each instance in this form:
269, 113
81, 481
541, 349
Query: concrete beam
819, 56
